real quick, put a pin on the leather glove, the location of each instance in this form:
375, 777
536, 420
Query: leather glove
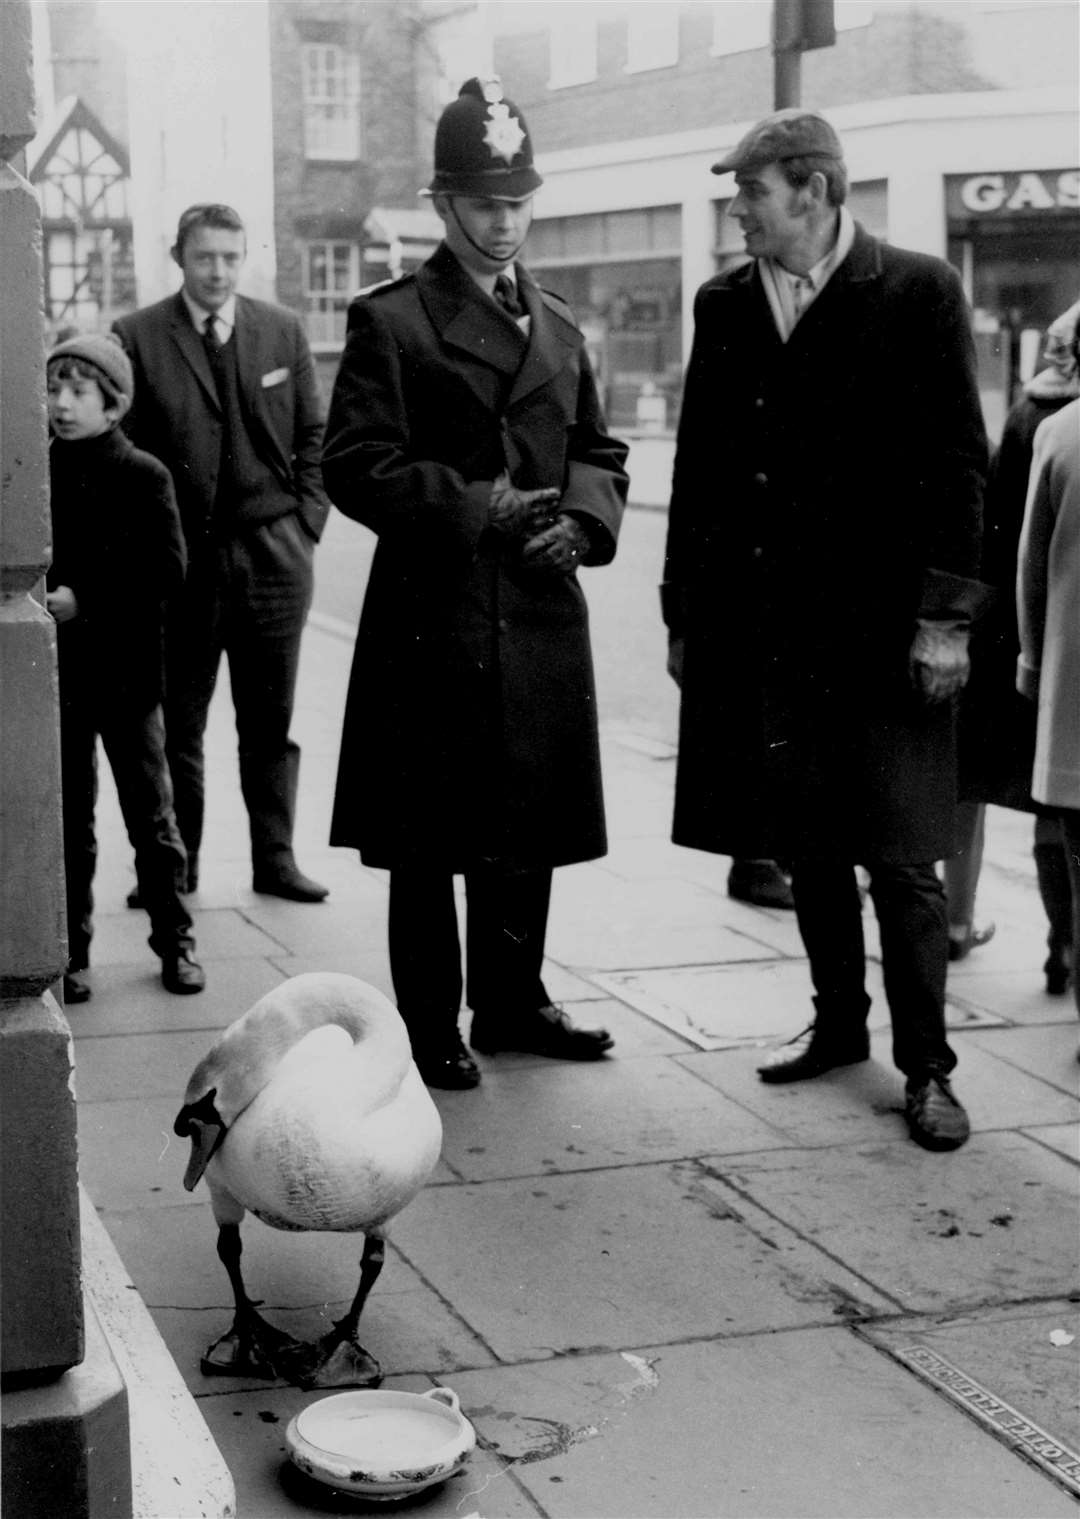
515, 512
938, 661
562, 546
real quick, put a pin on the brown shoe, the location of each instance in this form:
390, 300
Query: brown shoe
812, 1054
543, 1031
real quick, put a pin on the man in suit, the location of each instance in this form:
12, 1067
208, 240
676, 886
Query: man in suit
466, 432
820, 579
226, 399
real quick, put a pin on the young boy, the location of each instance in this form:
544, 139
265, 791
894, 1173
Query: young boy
118, 555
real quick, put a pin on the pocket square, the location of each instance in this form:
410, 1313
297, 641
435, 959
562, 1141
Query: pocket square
273, 377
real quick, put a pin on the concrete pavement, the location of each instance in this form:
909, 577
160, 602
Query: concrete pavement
659, 1287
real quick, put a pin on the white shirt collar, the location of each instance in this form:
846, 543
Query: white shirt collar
225, 316
791, 294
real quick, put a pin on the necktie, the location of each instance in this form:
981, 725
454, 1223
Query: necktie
211, 340
506, 295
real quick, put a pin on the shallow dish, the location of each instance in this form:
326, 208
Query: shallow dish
381, 1445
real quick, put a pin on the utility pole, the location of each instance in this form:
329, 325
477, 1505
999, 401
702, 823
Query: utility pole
797, 27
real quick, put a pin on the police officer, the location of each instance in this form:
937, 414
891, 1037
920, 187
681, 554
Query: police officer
466, 432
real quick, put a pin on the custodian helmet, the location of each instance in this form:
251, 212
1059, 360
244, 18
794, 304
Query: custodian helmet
482, 146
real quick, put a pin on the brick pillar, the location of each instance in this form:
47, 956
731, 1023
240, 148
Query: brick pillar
64, 1412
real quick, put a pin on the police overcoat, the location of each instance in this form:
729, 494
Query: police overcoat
470, 724
827, 493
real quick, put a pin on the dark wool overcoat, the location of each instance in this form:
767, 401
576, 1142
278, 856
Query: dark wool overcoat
827, 493
470, 725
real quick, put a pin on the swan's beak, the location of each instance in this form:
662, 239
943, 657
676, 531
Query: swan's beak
205, 1138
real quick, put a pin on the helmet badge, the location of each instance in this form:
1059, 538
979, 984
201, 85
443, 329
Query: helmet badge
503, 133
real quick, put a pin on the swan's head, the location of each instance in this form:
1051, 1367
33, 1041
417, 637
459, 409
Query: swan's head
233, 1073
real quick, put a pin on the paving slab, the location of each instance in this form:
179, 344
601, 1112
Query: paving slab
1062, 1137
991, 1224
807, 1423
1045, 1050
1029, 1357
249, 1428
534, 1119
847, 1103
723, 1006
1019, 996
601, 922
618, 1258
130, 1000
220, 933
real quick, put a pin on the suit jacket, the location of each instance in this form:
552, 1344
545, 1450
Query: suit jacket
177, 415
827, 493
470, 724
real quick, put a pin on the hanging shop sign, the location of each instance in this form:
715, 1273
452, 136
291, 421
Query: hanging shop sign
1029, 193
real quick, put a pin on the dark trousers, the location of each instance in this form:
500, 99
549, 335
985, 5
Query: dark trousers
135, 745
1070, 834
247, 597
909, 901
506, 924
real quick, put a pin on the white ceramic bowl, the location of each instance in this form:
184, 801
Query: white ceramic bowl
381, 1445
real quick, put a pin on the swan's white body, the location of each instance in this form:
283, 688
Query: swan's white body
328, 1123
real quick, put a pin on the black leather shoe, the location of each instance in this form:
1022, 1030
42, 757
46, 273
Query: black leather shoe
542, 1031
288, 881
448, 1066
760, 882
809, 1054
969, 938
1058, 974
935, 1119
181, 973
76, 987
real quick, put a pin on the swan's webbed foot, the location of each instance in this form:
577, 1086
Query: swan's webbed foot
337, 1360
253, 1348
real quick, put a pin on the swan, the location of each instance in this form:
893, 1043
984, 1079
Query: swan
309, 1113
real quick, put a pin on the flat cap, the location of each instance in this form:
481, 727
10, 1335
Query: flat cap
791, 133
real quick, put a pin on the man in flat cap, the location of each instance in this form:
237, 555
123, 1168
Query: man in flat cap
465, 431
820, 578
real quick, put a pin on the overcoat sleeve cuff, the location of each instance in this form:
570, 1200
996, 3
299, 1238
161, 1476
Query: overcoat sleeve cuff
945, 596
673, 607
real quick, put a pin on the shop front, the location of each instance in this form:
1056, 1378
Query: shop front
1015, 237
620, 271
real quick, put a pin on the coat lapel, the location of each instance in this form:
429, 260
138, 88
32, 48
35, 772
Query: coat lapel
191, 347
550, 336
465, 319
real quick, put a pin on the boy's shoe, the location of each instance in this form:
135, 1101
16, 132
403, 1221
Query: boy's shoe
76, 987
935, 1118
181, 973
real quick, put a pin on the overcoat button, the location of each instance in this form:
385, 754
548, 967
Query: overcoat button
504, 626
760, 479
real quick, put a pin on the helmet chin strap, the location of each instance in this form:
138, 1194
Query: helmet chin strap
475, 245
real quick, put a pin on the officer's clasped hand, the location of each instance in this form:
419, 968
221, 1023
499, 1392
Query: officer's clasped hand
562, 546
938, 660
516, 512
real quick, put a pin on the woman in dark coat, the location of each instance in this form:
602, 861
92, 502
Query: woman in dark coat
997, 724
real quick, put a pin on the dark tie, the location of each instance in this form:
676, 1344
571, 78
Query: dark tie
211, 340
506, 295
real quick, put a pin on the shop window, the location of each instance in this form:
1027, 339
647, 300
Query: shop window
652, 37
331, 86
331, 279
621, 271
572, 50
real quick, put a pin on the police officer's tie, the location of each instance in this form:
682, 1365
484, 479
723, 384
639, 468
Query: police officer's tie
506, 295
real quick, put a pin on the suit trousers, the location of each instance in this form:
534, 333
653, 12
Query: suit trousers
135, 745
909, 901
246, 596
506, 925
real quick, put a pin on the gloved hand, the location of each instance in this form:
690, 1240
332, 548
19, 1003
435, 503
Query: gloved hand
938, 660
562, 546
515, 512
